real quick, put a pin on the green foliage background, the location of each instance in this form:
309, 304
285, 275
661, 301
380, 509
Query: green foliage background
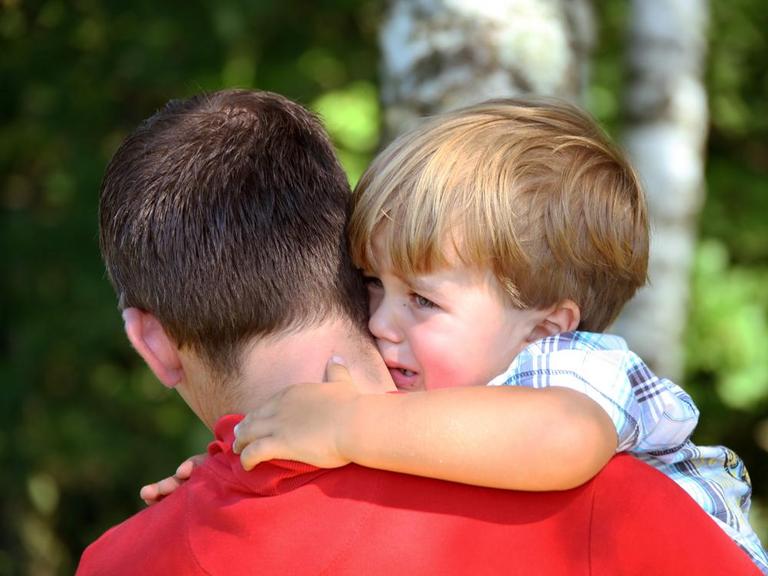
83, 422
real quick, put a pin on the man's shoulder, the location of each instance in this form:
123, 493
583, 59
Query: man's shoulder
149, 542
344, 519
642, 518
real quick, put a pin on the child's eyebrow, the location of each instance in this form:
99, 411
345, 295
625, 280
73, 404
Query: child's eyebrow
420, 284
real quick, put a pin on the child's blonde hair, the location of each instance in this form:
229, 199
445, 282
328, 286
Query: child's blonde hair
531, 189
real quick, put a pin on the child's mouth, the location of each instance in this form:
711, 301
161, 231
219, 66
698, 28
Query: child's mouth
405, 379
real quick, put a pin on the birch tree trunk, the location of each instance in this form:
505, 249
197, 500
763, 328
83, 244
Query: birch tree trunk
441, 54
666, 107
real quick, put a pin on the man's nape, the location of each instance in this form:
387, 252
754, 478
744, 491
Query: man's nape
273, 363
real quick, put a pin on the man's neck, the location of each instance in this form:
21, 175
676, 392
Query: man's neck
271, 364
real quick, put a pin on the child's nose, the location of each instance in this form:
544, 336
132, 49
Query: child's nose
382, 323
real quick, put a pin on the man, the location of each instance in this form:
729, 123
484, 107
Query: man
223, 230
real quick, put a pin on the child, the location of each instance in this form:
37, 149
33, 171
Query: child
488, 236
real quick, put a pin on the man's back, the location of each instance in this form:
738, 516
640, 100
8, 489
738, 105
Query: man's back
289, 518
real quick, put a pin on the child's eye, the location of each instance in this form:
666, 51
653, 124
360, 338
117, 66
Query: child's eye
422, 302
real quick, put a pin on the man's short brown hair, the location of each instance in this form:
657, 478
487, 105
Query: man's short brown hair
530, 189
224, 215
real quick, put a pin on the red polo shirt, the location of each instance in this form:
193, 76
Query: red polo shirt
290, 518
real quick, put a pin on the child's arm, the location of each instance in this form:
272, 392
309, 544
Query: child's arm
503, 437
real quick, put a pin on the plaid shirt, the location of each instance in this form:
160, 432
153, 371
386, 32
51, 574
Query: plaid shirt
654, 420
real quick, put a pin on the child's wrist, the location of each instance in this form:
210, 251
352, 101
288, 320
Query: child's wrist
351, 426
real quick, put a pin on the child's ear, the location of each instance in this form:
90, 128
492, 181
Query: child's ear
154, 345
562, 317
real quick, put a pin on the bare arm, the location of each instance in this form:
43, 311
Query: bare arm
502, 437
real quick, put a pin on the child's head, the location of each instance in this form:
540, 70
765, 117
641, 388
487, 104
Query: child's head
530, 196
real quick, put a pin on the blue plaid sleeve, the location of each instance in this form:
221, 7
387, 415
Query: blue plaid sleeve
654, 419
651, 414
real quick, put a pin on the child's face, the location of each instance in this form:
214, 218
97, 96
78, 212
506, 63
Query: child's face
448, 328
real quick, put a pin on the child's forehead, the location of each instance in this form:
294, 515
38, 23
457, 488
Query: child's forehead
444, 258
392, 247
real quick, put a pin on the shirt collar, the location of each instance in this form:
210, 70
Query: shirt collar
268, 478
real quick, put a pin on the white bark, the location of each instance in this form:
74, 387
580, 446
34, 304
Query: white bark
441, 54
667, 111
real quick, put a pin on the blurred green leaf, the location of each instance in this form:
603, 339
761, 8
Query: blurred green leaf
351, 116
728, 329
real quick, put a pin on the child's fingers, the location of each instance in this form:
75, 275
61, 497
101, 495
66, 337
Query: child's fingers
256, 452
266, 410
153, 493
250, 430
168, 485
150, 494
184, 471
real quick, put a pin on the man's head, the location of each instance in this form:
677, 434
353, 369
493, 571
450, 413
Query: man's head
490, 227
223, 217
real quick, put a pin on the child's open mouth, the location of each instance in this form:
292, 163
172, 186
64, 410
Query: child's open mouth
405, 379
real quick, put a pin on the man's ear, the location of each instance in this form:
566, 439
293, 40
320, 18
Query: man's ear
154, 345
562, 317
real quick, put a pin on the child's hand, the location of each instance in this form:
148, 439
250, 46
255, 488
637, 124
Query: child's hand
305, 422
153, 493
